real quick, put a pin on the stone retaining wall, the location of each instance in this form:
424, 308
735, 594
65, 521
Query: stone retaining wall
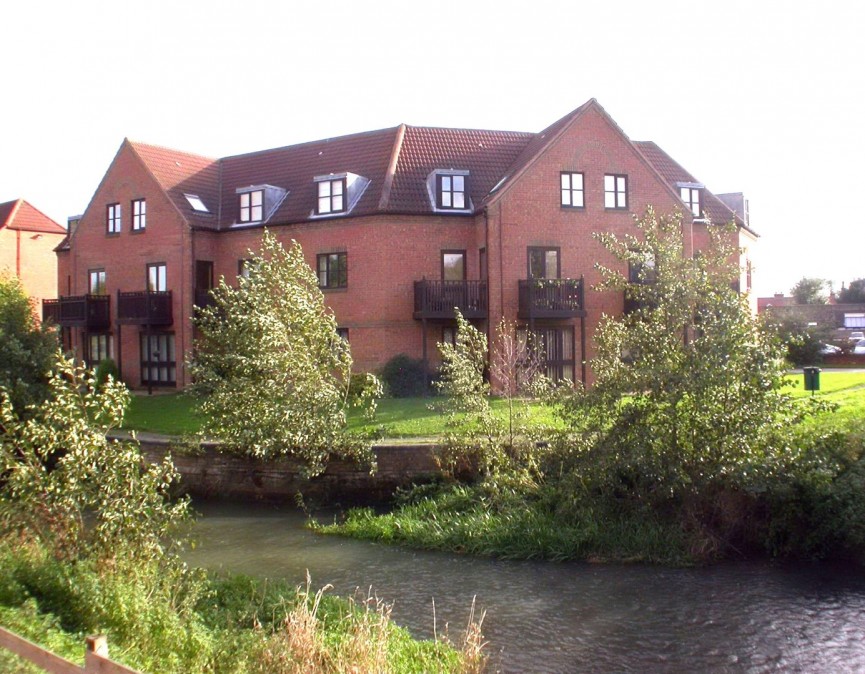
212, 474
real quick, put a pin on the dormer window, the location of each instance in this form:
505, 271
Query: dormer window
452, 192
331, 196
257, 203
252, 206
338, 193
449, 190
690, 195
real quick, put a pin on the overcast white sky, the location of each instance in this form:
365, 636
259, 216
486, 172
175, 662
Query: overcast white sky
762, 97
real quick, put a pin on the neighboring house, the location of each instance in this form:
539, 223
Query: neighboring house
400, 225
841, 318
27, 241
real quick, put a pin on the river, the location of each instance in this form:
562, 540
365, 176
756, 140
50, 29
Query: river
569, 617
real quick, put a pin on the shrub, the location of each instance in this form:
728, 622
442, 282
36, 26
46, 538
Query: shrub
404, 377
104, 369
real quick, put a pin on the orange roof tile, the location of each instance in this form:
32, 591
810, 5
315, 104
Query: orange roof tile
19, 214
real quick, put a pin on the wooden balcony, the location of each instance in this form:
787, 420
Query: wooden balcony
551, 298
81, 311
145, 308
438, 299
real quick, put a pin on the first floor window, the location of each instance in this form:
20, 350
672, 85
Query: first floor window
158, 366
453, 265
331, 196
342, 333
572, 190
113, 219
252, 206
449, 335
98, 348
96, 282
139, 215
157, 277
543, 262
615, 191
642, 270
333, 270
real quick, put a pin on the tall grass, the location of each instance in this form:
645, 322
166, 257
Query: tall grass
225, 625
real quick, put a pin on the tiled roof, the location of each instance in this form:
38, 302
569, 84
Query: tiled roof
536, 142
487, 155
397, 162
717, 211
180, 173
21, 215
293, 168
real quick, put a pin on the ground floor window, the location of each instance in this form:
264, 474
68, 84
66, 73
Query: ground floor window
98, 348
555, 350
157, 359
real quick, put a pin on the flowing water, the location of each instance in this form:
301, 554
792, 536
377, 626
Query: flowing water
571, 617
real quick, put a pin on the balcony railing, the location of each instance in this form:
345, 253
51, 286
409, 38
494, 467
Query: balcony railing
85, 311
438, 299
145, 308
551, 298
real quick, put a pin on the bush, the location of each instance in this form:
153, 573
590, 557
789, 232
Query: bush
105, 368
404, 377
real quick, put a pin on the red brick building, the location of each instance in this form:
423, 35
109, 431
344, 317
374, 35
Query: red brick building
400, 224
27, 241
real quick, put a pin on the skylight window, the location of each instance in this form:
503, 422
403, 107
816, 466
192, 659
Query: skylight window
196, 203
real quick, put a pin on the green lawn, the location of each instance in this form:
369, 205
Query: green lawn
172, 413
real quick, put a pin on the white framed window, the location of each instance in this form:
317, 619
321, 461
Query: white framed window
615, 191
572, 190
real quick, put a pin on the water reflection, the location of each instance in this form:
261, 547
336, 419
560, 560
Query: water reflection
544, 617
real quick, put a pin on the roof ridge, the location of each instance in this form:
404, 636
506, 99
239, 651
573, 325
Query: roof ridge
310, 142
468, 129
157, 146
12, 212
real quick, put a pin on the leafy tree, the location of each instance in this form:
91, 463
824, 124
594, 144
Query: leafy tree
853, 293
695, 408
803, 339
26, 348
270, 372
476, 435
809, 291
69, 487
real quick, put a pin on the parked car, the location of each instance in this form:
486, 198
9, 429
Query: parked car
856, 336
859, 349
829, 349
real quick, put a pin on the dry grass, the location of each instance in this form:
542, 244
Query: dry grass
302, 647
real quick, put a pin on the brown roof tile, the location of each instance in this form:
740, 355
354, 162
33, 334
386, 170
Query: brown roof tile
673, 172
180, 173
485, 154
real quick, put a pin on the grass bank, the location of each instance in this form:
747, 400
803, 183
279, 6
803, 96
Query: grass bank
173, 413
195, 623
